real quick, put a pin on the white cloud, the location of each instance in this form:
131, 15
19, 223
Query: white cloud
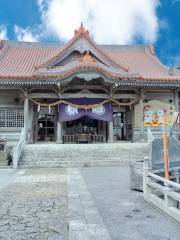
109, 21
3, 32
25, 34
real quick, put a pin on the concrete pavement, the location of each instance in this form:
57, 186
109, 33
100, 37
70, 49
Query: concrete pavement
124, 212
92, 203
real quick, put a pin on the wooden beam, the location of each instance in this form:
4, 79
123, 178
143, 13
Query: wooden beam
81, 95
125, 96
82, 87
43, 95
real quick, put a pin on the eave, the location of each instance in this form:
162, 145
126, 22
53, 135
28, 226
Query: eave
133, 83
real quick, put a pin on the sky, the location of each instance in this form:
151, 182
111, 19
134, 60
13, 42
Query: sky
109, 22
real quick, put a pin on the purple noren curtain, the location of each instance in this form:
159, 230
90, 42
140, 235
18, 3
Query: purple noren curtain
68, 113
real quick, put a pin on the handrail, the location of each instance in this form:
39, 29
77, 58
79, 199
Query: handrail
170, 203
166, 181
156, 176
18, 149
150, 136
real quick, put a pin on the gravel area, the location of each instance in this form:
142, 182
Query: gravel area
34, 206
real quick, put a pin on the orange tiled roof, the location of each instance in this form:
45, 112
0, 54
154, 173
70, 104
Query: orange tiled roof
18, 60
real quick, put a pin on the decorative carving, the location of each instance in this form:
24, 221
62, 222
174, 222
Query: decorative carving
82, 31
152, 49
88, 76
88, 58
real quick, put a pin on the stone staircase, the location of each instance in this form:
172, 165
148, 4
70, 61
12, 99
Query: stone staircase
81, 155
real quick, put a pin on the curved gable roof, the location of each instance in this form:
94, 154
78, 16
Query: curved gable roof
18, 60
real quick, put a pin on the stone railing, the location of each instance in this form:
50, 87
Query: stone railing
18, 149
150, 136
161, 193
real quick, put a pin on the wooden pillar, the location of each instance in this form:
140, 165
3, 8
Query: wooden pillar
59, 133
141, 112
104, 131
26, 117
110, 132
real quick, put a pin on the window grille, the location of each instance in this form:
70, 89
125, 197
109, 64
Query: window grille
11, 117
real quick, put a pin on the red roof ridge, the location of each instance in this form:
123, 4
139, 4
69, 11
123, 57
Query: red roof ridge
81, 32
150, 49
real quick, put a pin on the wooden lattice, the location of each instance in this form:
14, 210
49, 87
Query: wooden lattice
11, 117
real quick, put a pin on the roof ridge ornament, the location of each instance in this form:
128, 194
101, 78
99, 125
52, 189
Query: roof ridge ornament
81, 31
88, 58
152, 49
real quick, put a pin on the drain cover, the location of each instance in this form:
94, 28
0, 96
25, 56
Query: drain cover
136, 210
150, 216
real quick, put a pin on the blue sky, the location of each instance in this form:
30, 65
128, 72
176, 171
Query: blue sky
28, 20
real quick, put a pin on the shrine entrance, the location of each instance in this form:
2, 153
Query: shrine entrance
84, 130
119, 124
46, 131
44, 124
122, 124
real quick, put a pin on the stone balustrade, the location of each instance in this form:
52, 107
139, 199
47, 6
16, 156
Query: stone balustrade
162, 193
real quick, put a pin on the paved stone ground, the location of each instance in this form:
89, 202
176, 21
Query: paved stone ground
34, 205
77, 204
85, 223
124, 212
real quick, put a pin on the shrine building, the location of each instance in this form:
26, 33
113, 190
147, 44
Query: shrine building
83, 92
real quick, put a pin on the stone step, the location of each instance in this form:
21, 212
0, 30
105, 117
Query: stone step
73, 157
75, 162
70, 165
80, 158
77, 155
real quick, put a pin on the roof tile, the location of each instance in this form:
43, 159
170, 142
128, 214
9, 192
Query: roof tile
18, 62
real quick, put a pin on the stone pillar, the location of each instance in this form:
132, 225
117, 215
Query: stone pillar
26, 117
110, 132
59, 133
145, 178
